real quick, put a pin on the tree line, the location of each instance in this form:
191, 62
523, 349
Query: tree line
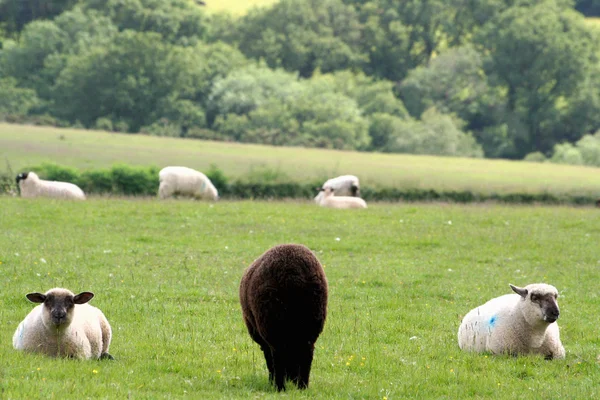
477, 78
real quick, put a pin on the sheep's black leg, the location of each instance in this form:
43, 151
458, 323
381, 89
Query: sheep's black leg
304, 357
279, 358
269, 359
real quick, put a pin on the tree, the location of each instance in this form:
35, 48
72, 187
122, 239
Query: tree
39, 55
260, 105
435, 134
15, 14
137, 79
371, 95
301, 35
15, 101
177, 21
455, 82
589, 8
541, 54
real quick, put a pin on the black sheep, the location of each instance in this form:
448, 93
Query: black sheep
284, 303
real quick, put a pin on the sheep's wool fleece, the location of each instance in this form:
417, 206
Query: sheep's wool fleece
33, 186
498, 326
185, 181
82, 339
340, 184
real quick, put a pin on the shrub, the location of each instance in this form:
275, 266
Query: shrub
104, 124
55, 172
134, 181
217, 177
566, 153
97, 181
589, 147
537, 156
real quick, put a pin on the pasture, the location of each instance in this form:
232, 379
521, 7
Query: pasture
24, 146
401, 276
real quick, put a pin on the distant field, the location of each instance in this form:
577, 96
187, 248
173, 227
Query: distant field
237, 7
24, 146
401, 277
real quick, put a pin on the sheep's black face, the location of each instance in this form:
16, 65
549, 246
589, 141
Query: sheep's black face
21, 176
548, 304
59, 309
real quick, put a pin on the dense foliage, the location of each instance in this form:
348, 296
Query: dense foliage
492, 78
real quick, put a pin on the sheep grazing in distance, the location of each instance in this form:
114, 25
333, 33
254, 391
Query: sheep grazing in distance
32, 186
519, 323
186, 182
283, 295
331, 201
344, 185
63, 325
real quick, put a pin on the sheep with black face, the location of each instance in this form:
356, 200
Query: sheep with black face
31, 185
519, 323
284, 304
64, 325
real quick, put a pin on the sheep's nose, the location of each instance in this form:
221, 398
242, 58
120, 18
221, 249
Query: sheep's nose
551, 317
59, 314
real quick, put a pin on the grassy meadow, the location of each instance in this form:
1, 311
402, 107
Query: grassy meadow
24, 146
401, 276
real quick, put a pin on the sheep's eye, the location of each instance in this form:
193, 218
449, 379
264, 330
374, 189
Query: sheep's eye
534, 297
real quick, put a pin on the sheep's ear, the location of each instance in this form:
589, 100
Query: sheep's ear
520, 291
320, 188
36, 297
83, 297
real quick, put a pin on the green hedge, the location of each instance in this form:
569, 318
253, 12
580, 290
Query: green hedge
127, 180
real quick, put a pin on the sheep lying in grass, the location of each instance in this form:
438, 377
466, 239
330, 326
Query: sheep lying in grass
344, 185
519, 323
331, 201
63, 325
32, 186
186, 182
284, 304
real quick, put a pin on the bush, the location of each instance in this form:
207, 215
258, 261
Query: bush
566, 153
535, 157
7, 183
134, 181
217, 177
55, 172
96, 181
104, 124
589, 147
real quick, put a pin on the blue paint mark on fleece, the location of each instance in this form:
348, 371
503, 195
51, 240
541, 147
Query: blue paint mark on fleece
492, 321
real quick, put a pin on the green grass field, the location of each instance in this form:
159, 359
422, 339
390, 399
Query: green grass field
27, 146
236, 7
401, 276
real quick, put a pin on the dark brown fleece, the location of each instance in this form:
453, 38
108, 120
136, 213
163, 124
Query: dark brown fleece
284, 303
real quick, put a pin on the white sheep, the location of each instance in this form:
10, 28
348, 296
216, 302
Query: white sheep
331, 201
32, 186
519, 323
187, 182
64, 326
344, 185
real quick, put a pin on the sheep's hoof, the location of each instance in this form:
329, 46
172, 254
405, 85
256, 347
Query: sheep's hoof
106, 356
